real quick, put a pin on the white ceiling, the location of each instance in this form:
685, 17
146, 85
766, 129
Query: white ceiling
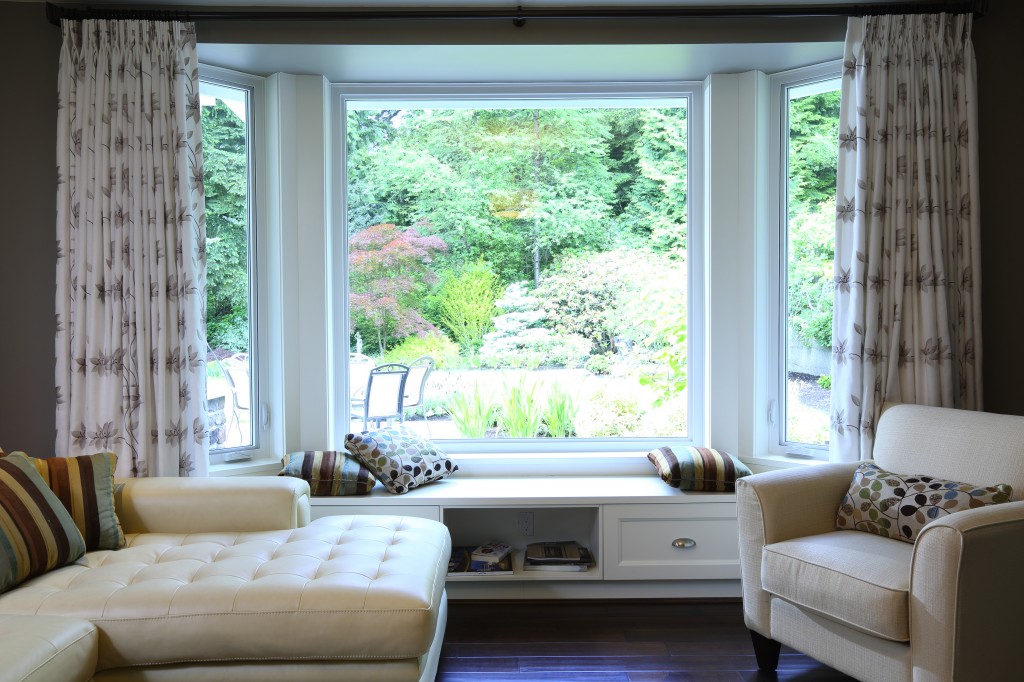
505, 63
515, 63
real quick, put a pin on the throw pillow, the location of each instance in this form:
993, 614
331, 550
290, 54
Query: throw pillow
400, 459
329, 473
85, 486
698, 469
900, 505
36, 533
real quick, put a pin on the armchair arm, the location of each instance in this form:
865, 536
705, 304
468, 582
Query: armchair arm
205, 505
782, 505
966, 595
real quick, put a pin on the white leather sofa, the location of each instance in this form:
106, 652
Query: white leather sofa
226, 579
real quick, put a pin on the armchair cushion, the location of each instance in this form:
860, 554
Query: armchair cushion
900, 505
857, 579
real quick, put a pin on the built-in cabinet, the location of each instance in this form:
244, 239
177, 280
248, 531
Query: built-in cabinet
638, 528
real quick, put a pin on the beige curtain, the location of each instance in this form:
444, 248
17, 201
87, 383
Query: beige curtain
907, 317
131, 248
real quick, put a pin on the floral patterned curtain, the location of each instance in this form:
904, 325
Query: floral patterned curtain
131, 251
907, 322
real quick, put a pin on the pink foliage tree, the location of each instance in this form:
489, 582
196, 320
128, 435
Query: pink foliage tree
389, 273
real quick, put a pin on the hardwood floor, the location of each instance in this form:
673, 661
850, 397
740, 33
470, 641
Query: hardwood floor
617, 641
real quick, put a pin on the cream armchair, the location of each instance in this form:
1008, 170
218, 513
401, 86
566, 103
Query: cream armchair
948, 607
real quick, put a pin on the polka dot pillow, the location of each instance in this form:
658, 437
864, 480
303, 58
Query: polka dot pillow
899, 505
400, 459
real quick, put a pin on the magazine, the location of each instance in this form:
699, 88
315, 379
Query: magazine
562, 552
491, 552
584, 562
461, 563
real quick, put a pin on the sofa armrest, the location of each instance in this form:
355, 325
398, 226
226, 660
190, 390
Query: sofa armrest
782, 505
966, 594
206, 505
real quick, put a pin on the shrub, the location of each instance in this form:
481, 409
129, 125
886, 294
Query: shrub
472, 411
521, 414
466, 304
599, 364
560, 413
435, 344
583, 293
608, 415
519, 342
825, 381
811, 274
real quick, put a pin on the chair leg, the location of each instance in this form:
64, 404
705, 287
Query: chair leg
766, 650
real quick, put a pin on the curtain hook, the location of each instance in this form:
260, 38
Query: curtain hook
518, 20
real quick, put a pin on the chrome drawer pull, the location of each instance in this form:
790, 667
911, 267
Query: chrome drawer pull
684, 543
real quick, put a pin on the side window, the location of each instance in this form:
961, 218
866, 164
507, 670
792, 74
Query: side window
231, 387
807, 114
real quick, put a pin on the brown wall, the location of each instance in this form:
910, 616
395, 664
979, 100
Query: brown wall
29, 45
28, 184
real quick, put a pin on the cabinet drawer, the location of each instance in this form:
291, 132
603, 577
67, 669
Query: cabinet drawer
431, 512
671, 541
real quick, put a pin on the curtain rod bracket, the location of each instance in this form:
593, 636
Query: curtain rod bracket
519, 20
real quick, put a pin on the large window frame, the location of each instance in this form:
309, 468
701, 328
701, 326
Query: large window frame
265, 433
537, 454
776, 365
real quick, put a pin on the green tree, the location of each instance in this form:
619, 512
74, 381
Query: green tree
227, 230
813, 158
514, 186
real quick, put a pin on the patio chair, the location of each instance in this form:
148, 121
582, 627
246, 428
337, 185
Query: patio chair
385, 393
359, 367
236, 372
419, 370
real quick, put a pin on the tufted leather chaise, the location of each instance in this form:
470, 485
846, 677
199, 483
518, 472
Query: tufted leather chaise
224, 579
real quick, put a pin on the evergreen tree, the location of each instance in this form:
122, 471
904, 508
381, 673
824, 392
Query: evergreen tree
227, 229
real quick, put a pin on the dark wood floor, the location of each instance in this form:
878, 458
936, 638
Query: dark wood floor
595, 641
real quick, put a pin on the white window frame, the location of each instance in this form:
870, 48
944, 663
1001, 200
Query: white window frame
266, 436
538, 455
777, 361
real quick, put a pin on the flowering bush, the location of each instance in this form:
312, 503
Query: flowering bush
519, 341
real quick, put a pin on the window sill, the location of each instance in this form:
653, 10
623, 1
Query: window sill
249, 467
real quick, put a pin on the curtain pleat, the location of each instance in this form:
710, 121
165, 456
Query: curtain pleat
907, 315
131, 235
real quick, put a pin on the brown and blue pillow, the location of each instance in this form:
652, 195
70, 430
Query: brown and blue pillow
900, 505
329, 473
37, 534
698, 469
85, 486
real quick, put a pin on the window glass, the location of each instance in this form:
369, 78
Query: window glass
227, 131
533, 255
810, 147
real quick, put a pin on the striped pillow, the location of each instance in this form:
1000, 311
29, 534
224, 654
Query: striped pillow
698, 469
36, 533
85, 486
329, 473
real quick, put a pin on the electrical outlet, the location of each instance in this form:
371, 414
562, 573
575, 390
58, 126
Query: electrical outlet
526, 523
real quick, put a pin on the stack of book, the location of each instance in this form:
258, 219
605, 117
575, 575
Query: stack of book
491, 558
566, 555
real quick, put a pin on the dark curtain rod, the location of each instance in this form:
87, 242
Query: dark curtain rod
518, 16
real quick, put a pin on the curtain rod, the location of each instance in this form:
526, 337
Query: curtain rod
518, 16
